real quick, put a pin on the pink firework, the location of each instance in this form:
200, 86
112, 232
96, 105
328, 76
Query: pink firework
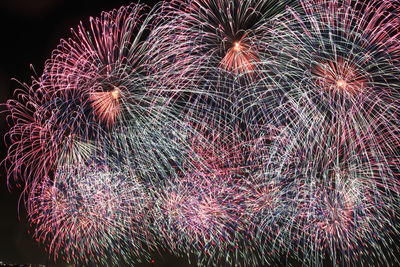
61, 115
91, 215
333, 57
340, 77
204, 34
97, 65
203, 212
198, 216
337, 197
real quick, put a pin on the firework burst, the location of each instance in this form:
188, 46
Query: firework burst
205, 35
236, 132
334, 58
57, 118
209, 199
96, 85
329, 100
337, 197
91, 214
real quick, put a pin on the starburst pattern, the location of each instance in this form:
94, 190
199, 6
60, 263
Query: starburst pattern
91, 214
241, 133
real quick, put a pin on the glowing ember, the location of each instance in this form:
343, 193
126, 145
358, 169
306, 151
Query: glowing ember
236, 47
341, 83
106, 105
115, 94
239, 58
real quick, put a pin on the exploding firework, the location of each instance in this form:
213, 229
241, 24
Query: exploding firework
329, 101
334, 58
79, 92
96, 85
337, 197
235, 132
91, 215
202, 211
204, 35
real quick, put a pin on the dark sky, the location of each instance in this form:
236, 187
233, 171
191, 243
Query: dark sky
30, 30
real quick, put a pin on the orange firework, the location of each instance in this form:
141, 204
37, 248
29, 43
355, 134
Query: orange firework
340, 76
106, 105
240, 58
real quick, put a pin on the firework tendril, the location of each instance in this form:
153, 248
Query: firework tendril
234, 133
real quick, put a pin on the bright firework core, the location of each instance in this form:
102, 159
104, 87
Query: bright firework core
341, 83
116, 93
340, 75
236, 46
106, 105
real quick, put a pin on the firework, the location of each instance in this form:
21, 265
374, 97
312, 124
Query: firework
204, 35
338, 196
329, 101
201, 212
333, 58
77, 93
236, 132
91, 214
96, 84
